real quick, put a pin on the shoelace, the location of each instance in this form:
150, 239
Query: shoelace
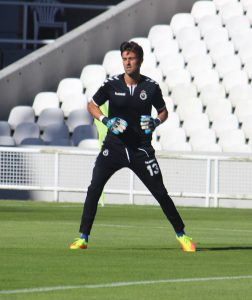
79, 241
187, 239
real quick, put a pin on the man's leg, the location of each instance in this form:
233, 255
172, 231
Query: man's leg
101, 174
148, 171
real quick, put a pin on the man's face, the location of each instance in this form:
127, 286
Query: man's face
131, 62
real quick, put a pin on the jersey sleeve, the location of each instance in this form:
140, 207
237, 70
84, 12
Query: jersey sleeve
158, 100
101, 96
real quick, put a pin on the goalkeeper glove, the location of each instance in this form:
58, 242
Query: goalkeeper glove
148, 123
115, 125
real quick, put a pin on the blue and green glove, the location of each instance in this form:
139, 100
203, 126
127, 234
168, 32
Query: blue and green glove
148, 123
115, 125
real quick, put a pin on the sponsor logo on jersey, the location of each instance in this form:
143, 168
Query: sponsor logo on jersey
143, 95
120, 94
105, 152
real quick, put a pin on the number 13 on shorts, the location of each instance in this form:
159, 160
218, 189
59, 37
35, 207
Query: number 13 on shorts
153, 168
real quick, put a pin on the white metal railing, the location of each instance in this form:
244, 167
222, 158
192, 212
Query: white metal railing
26, 5
69, 170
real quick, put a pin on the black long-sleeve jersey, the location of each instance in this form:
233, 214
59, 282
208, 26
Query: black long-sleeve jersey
130, 105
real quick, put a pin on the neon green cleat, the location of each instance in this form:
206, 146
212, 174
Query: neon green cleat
79, 244
186, 243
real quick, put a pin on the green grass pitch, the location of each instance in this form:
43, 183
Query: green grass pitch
132, 254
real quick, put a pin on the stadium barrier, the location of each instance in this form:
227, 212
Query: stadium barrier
191, 179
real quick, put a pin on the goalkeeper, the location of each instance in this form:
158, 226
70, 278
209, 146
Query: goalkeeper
131, 97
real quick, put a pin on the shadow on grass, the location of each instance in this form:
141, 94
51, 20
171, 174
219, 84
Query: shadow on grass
227, 248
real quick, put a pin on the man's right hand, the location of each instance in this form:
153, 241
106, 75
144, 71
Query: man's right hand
115, 125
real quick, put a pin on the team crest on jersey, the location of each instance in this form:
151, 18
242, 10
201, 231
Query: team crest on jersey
105, 152
143, 95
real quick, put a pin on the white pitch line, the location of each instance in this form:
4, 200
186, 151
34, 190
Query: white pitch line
120, 284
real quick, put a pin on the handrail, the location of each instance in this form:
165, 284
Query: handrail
26, 6
31, 177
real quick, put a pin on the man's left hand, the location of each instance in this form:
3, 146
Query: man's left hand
148, 123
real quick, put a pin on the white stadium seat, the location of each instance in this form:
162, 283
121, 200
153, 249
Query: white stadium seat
181, 20
92, 73
177, 76
227, 63
246, 4
234, 78
68, 87
112, 62
154, 73
172, 122
183, 91
89, 144
45, 100
192, 49
230, 9
189, 107
198, 121
208, 23
172, 136
202, 137
243, 109
220, 3
188, 35
221, 49
249, 12
158, 33
206, 147
170, 62
77, 118
177, 146
240, 148
240, 39
144, 42
20, 114
245, 51
169, 103
225, 123
165, 48
76, 102
214, 36
209, 93
239, 93
199, 62
237, 25
248, 67
232, 137
149, 61
247, 126
201, 9
205, 77
218, 108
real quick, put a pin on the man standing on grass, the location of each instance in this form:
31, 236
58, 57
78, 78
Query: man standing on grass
128, 142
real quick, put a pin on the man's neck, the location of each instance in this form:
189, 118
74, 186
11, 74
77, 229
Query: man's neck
133, 79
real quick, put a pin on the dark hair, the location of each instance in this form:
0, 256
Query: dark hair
134, 47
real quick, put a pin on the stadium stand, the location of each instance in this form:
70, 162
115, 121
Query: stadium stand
203, 63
